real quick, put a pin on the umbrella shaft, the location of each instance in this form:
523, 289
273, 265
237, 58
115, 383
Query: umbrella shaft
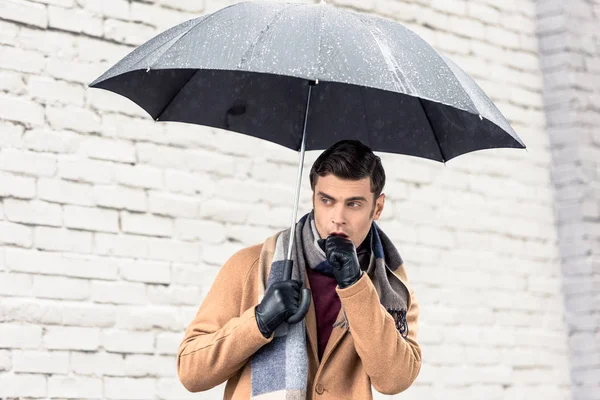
300, 168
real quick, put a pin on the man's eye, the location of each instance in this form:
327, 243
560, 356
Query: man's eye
354, 204
324, 200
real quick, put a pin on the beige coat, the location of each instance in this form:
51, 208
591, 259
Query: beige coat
219, 342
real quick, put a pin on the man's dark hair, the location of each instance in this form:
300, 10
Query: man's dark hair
350, 159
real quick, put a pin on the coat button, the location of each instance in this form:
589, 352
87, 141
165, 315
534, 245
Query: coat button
320, 388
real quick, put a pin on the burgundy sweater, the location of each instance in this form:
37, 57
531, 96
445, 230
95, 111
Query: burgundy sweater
327, 302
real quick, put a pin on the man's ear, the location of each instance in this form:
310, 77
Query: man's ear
379, 206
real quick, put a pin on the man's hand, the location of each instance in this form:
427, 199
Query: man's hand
341, 254
281, 301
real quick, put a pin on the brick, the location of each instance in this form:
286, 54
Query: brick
93, 219
171, 388
97, 364
172, 205
12, 284
48, 141
121, 245
174, 294
109, 8
22, 61
551, 24
139, 365
73, 70
126, 32
50, 91
24, 12
81, 169
73, 118
21, 187
145, 271
40, 262
19, 385
16, 234
211, 162
33, 212
8, 33
75, 20
162, 156
63, 240
5, 360
194, 274
148, 317
108, 149
65, 192
136, 389
118, 293
183, 5
144, 224
12, 82
277, 217
62, 3
170, 250
20, 336
74, 387
167, 343
139, 176
159, 17
10, 135
449, 43
71, 338
120, 197
119, 341
188, 183
218, 254
204, 231
98, 50
21, 110
27, 162
224, 211
249, 235
53, 362
57, 287
46, 42
106, 101
125, 127
483, 12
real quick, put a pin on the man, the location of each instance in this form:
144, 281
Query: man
361, 328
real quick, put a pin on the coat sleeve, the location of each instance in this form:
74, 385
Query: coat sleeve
222, 336
391, 361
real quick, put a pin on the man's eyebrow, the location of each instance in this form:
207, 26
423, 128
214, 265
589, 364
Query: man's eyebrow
355, 198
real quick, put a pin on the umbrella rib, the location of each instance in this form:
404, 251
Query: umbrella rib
432, 130
176, 94
261, 33
189, 30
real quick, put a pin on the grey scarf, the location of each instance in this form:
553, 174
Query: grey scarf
279, 369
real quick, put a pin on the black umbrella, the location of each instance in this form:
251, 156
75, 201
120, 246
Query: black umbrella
306, 76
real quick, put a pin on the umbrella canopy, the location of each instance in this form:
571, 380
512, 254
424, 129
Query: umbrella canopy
306, 76
247, 68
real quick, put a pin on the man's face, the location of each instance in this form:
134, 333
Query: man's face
346, 207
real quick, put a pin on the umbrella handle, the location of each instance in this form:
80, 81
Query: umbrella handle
304, 298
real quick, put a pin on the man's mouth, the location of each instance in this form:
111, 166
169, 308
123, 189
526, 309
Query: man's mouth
339, 234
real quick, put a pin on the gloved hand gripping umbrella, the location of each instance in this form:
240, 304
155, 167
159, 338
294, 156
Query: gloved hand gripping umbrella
306, 76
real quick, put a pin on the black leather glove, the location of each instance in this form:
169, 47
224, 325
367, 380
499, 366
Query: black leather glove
341, 254
281, 301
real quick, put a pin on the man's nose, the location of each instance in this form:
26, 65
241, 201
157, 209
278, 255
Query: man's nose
338, 216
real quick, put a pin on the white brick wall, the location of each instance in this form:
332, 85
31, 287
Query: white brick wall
113, 227
572, 86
